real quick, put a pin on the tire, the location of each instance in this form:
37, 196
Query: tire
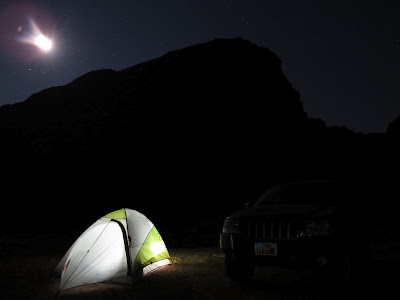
342, 271
337, 271
348, 269
239, 268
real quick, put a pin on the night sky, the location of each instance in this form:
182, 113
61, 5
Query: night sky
342, 56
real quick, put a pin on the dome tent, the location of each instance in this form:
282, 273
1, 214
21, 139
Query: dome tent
120, 244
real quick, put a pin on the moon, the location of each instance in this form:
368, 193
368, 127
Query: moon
43, 42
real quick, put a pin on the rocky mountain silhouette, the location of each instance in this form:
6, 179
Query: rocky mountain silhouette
190, 131
224, 86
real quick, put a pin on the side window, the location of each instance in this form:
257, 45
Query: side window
307, 194
297, 194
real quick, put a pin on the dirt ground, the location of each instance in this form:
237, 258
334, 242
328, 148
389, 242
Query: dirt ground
26, 266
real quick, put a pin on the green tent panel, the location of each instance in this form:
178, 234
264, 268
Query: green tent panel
153, 249
118, 214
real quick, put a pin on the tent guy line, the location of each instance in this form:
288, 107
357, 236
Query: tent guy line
87, 252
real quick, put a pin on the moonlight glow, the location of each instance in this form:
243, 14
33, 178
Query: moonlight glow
36, 37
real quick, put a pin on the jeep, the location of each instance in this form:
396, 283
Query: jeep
314, 225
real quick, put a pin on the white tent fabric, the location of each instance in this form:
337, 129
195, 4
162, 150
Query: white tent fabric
139, 227
108, 250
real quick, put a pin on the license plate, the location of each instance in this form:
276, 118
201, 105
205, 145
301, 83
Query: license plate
270, 249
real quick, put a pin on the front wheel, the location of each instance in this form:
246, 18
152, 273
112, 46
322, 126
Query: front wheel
238, 267
346, 268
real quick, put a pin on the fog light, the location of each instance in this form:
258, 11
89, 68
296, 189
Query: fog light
321, 260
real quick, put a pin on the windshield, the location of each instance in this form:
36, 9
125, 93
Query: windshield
271, 196
309, 193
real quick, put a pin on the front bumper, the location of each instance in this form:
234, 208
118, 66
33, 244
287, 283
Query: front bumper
300, 251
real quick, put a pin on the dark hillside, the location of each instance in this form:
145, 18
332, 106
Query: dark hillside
192, 134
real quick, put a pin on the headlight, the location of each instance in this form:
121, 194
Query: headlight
315, 228
231, 226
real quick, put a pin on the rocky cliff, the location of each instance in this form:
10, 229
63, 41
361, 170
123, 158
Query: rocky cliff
196, 130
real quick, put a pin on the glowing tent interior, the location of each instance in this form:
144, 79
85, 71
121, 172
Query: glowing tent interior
124, 243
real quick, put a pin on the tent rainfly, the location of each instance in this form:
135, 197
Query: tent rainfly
121, 244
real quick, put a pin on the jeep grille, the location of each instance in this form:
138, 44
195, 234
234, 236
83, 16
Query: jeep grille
271, 230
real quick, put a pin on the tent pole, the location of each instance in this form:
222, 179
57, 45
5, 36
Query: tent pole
130, 265
126, 243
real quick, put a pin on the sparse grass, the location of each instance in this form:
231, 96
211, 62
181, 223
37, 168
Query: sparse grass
27, 263
197, 256
27, 266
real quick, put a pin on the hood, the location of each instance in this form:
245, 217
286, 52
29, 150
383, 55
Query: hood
295, 211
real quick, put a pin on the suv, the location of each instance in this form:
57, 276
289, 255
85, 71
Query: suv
316, 225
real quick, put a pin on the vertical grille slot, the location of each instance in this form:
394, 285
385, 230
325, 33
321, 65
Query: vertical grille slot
292, 230
275, 231
283, 226
268, 230
251, 231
